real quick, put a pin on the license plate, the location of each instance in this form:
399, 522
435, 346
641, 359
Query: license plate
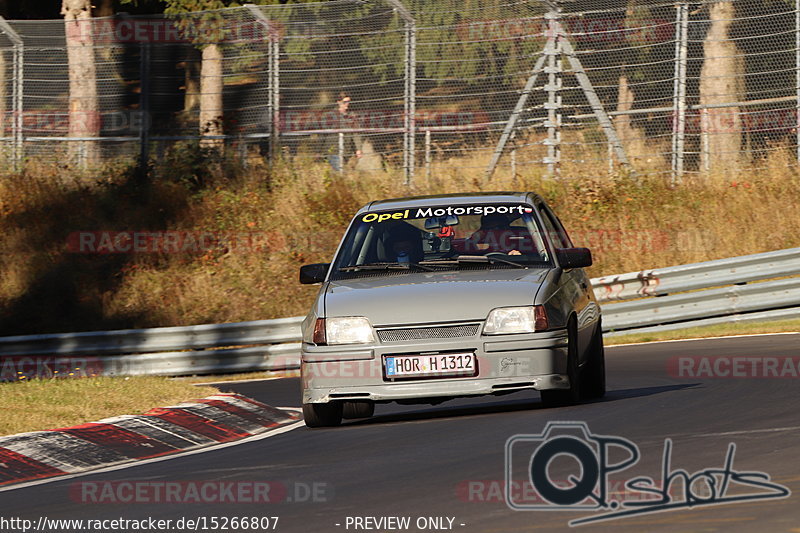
451, 364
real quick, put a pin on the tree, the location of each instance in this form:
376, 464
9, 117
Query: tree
208, 31
104, 8
633, 54
721, 81
84, 117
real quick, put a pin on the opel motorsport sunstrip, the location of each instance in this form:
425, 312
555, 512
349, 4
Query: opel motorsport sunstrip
438, 297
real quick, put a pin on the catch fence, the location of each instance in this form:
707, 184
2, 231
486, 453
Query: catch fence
495, 86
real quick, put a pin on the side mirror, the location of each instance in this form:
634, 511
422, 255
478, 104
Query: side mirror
574, 257
315, 273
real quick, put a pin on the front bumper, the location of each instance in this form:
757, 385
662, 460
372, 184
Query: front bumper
505, 363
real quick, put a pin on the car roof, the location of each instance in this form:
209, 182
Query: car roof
450, 199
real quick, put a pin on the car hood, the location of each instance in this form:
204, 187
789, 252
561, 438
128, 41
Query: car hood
425, 297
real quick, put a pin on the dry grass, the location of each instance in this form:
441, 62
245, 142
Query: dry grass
298, 212
53, 403
242, 376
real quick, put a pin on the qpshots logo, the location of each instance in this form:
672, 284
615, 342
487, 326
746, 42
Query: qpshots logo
539, 462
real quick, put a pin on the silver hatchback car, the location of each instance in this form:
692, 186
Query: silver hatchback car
438, 297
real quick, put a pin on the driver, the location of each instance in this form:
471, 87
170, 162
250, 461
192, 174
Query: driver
493, 235
404, 244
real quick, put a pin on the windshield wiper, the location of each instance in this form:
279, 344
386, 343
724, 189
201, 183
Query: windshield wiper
487, 259
385, 266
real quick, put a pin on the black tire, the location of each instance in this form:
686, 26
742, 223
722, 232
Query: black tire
358, 409
593, 374
317, 415
572, 395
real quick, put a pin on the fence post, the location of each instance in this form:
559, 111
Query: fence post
19, 104
410, 97
679, 102
594, 101
557, 45
553, 104
340, 151
273, 80
428, 154
704, 139
275, 133
797, 70
513, 157
508, 129
17, 94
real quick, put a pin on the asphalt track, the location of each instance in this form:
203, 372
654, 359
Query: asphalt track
447, 461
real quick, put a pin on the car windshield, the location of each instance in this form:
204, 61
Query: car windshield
440, 238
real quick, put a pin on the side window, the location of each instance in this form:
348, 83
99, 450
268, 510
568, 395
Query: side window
554, 228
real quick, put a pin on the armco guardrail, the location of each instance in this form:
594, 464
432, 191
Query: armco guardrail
133, 341
700, 294
173, 351
660, 281
682, 310
683, 296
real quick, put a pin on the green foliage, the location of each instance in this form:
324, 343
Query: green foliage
173, 7
489, 47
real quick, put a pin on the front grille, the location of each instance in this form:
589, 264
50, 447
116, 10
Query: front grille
442, 332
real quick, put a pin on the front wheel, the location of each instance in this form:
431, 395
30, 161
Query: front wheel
318, 415
593, 374
572, 395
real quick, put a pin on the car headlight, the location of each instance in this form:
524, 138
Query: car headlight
505, 320
343, 330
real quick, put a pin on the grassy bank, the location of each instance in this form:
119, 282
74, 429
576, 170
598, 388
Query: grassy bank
53, 403
269, 222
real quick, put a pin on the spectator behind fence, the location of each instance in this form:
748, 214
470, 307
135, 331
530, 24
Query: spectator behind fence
343, 120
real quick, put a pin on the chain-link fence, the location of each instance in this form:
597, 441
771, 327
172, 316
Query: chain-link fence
420, 85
